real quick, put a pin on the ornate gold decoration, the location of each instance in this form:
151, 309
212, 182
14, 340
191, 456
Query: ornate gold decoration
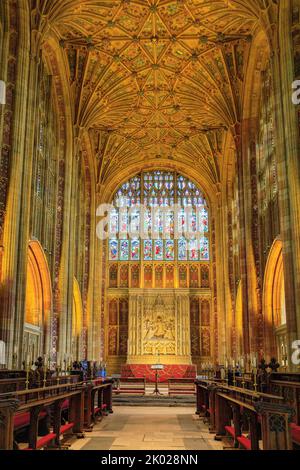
155, 79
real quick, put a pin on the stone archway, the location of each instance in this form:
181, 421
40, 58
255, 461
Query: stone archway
38, 303
77, 322
274, 304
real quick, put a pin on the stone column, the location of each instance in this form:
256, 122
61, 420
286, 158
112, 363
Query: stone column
98, 277
241, 171
14, 234
288, 169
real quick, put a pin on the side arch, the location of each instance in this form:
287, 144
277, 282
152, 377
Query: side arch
273, 303
38, 302
77, 322
239, 320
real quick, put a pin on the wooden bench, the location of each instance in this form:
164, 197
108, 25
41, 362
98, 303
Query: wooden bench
245, 421
23, 410
131, 386
97, 401
181, 387
240, 415
295, 431
22, 420
43, 442
243, 441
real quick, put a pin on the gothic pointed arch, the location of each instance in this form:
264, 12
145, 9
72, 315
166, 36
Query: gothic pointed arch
239, 320
77, 322
274, 303
38, 302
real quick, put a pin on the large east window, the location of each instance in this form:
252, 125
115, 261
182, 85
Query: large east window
159, 216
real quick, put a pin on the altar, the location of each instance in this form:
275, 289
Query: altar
159, 324
170, 371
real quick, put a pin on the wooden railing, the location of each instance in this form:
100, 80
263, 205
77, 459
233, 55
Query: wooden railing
11, 384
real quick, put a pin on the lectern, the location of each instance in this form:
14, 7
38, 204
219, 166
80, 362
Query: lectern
157, 368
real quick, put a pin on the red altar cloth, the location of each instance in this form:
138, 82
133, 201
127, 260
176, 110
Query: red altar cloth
169, 372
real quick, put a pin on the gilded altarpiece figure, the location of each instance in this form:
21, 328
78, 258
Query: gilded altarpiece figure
159, 325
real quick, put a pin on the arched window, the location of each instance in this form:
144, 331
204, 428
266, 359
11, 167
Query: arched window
159, 216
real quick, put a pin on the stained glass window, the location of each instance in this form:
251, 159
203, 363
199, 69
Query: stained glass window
204, 249
182, 249
135, 250
148, 250
170, 250
114, 222
124, 250
113, 250
193, 250
158, 250
172, 221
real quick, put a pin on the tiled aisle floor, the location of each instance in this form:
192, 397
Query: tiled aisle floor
149, 428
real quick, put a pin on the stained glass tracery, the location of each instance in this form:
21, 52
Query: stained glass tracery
144, 206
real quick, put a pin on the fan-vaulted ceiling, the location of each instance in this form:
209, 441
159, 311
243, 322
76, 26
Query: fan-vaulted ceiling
156, 78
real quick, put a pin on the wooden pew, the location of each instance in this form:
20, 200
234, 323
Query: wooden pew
108, 394
13, 384
97, 401
243, 417
181, 387
8, 407
229, 416
131, 385
229, 420
205, 400
37, 402
288, 385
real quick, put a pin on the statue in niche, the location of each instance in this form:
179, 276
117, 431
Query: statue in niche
159, 332
159, 325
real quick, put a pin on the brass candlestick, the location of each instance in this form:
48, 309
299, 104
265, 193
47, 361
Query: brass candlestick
57, 373
27, 376
15, 361
45, 376
243, 378
255, 379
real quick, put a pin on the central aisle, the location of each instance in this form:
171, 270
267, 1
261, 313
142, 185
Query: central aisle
149, 428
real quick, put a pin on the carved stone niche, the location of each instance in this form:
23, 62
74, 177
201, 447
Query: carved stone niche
159, 328
7, 411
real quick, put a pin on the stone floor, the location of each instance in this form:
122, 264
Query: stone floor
149, 428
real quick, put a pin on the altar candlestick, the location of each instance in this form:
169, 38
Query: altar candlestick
45, 370
27, 372
255, 379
